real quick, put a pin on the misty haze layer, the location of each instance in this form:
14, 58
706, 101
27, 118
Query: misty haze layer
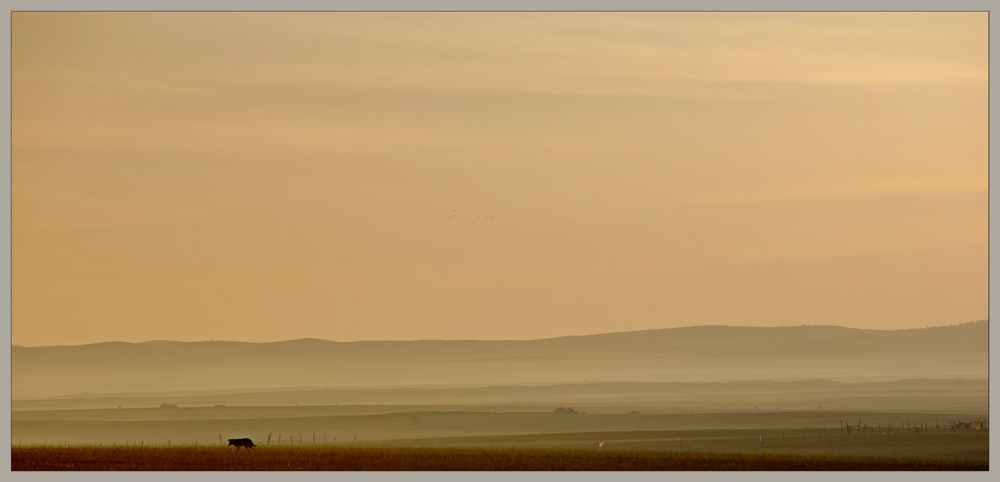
703, 353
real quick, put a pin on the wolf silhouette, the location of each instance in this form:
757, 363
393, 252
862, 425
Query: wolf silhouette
242, 442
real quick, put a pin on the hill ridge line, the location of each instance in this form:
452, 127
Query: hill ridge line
567, 337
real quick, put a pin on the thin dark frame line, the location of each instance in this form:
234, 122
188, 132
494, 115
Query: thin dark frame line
500, 11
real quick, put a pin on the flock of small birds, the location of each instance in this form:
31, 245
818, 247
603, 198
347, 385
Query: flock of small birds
455, 215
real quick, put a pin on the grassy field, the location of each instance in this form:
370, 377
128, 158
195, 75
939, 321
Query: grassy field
783, 431
381, 422
957, 445
384, 458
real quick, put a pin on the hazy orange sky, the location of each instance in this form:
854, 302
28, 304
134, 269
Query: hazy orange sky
349, 176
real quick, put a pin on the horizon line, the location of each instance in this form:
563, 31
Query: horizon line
985, 320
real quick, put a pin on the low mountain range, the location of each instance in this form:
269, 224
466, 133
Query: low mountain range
691, 354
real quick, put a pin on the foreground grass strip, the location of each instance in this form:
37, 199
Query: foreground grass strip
134, 457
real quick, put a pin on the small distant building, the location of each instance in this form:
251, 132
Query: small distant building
564, 410
167, 405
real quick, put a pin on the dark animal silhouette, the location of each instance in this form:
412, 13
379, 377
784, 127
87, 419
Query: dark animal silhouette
242, 442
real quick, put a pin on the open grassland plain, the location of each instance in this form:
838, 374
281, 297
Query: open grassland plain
912, 395
385, 458
957, 445
371, 424
817, 441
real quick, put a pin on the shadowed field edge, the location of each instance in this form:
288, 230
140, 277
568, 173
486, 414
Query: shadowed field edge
381, 458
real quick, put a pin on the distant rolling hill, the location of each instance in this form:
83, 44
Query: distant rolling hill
700, 353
